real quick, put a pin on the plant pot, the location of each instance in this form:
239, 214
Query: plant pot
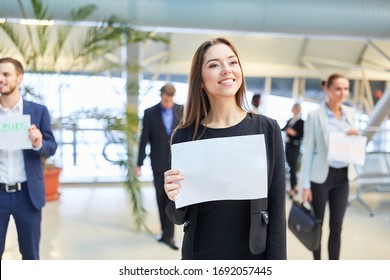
52, 183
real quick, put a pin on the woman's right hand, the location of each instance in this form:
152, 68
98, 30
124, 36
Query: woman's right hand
171, 185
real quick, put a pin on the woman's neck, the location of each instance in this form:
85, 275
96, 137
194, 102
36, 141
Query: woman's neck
224, 116
335, 108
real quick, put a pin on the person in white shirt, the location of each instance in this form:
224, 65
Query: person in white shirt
22, 190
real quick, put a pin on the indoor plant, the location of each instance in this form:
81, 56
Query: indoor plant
51, 176
45, 48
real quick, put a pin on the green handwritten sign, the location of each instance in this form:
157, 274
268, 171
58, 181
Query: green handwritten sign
18, 126
14, 133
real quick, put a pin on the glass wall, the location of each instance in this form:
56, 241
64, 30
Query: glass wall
86, 149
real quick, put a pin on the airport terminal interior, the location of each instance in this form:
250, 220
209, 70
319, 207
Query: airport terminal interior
89, 82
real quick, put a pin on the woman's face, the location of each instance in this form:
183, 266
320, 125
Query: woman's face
338, 91
221, 72
295, 110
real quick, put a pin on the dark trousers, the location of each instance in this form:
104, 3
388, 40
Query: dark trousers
27, 219
167, 226
335, 190
292, 157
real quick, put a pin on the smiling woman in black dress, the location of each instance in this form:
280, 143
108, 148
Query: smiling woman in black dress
228, 229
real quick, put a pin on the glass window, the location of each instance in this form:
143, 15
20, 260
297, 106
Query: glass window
282, 87
83, 141
313, 90
255, 84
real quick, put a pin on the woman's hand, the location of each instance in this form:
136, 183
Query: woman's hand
290, 131
352, 132
171, 186
306, 195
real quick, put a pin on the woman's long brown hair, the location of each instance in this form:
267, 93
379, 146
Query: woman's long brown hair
198, 104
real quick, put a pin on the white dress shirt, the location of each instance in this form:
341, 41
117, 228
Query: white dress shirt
336, 125
12, 168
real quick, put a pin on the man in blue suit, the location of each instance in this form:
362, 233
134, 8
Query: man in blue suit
22, 191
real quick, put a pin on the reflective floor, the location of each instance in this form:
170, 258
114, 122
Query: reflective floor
93, 222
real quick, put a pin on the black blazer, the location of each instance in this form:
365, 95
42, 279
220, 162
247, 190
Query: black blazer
154, 133
298, 127
268, 217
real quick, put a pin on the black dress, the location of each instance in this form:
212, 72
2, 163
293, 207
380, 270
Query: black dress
241, 229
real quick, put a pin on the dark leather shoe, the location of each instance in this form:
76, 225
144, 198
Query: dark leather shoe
170, 243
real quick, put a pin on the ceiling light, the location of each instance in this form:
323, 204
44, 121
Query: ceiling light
36, 22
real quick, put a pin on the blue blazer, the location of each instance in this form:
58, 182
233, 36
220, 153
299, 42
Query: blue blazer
32, 159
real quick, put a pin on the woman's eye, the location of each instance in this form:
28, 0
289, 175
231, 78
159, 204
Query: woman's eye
213, 65
234, 62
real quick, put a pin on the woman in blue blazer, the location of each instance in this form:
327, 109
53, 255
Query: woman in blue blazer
322, 180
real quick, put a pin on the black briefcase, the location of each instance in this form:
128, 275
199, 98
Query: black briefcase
305, 226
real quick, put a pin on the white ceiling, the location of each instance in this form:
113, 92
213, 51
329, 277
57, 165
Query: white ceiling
289, 56
301, 38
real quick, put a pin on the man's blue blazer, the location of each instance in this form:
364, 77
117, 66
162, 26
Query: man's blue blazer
32, 159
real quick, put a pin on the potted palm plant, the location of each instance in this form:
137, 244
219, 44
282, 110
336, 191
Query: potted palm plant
45, 48
51, 176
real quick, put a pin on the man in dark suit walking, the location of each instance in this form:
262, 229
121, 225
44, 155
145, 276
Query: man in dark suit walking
22, 191
158, 123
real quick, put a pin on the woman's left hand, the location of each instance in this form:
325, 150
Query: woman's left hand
306, 195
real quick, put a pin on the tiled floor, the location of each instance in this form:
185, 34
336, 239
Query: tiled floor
93, 222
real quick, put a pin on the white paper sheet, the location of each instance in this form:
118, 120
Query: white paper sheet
14, 132
347, 148
229, 168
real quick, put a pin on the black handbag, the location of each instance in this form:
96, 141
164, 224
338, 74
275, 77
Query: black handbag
305, 226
